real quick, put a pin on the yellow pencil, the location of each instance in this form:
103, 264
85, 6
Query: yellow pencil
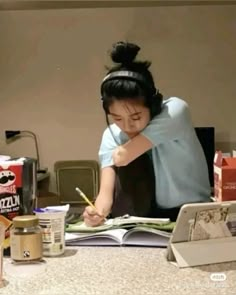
85, 198
88, 201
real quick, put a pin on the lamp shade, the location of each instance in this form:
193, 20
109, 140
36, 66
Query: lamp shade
11, 133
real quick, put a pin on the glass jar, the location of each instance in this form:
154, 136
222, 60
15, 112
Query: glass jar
26, 238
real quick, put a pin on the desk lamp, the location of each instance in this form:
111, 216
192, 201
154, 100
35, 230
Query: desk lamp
10, 134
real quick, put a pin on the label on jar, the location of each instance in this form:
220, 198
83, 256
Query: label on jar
26, 246
53, 232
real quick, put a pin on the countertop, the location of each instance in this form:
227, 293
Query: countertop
117, 270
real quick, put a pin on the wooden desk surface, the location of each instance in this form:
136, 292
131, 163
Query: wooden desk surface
120, 270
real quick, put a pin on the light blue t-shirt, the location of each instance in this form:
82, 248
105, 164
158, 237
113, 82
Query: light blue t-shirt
179, 163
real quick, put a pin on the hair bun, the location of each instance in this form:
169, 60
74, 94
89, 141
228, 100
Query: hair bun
124, 52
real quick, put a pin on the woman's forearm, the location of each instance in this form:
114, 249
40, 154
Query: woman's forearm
103, 204
104, 199
135, 147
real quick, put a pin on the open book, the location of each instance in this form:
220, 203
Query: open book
126, 230
137, 236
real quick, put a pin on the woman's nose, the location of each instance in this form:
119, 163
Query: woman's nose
128, 126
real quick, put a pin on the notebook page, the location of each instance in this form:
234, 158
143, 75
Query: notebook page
83, 228
126, 219
117, 222
108, 237
142, 236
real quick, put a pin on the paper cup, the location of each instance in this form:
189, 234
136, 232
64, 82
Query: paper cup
52, 224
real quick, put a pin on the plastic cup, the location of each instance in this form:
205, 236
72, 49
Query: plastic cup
52, 225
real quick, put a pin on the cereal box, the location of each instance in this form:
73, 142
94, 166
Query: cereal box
224, 177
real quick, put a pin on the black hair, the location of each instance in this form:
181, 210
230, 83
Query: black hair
129, 78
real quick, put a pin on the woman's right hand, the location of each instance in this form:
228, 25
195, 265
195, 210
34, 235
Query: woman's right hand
93, 217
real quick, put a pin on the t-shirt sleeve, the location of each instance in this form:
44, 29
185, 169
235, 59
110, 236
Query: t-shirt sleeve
108, 144
170, 124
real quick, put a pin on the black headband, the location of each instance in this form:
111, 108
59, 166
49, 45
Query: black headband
128, 75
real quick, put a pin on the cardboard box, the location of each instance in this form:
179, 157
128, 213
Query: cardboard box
224, 177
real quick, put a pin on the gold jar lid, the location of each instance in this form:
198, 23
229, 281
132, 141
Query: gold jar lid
25, 221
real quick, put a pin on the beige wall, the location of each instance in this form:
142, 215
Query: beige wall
52, 62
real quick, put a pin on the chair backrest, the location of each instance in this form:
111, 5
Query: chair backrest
206, 136
73, 173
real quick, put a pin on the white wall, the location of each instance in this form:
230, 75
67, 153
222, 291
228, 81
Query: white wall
52, 63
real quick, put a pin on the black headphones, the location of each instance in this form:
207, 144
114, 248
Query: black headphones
153, 99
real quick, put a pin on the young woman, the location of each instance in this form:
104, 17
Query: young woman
151, 159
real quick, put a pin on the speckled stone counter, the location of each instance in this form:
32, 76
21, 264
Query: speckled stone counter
117, 270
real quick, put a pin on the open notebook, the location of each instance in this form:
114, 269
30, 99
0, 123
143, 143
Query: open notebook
137, 236
127, 230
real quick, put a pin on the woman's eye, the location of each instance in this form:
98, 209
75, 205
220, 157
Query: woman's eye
116, 119
136, 119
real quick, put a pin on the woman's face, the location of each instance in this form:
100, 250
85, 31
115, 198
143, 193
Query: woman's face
131, 116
